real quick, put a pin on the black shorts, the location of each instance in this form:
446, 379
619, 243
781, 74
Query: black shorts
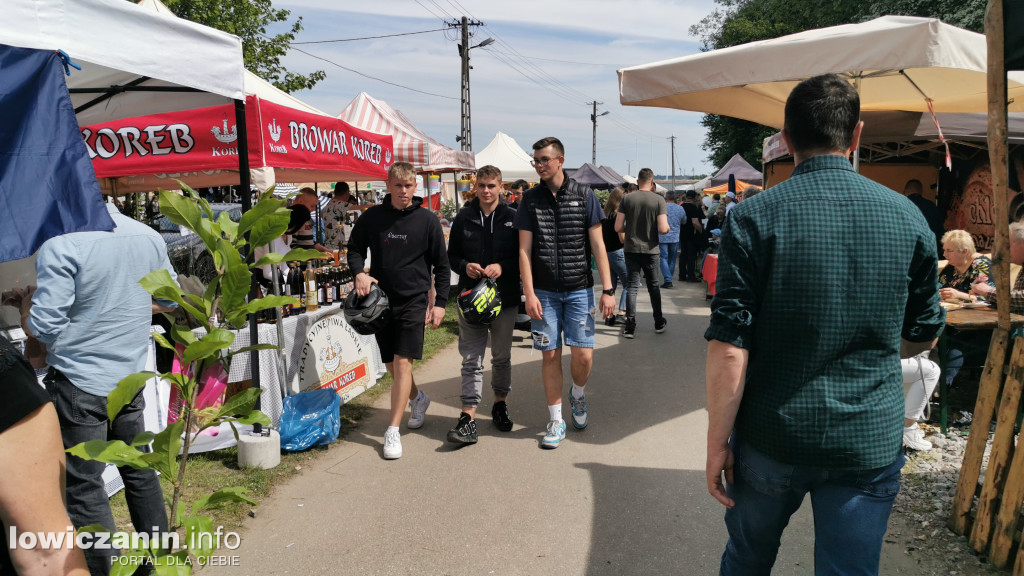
403, 335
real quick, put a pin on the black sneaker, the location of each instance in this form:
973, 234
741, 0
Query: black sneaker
659, 325
464, 431
609, 321
667, 285
629, 330
499, 414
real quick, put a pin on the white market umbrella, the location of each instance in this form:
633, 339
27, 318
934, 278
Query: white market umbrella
897, 63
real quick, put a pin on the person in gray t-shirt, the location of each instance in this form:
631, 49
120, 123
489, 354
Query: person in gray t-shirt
642, 216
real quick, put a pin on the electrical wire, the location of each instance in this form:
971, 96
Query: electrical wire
364, 75
367, 37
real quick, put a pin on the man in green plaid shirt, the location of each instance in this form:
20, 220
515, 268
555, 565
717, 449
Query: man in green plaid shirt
824, 282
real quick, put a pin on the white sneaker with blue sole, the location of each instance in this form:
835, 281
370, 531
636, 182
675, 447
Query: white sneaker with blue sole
555, 435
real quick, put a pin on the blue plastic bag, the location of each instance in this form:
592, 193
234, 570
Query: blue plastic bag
310, 419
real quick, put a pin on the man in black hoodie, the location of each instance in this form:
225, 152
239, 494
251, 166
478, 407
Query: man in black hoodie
484, 243
407, 244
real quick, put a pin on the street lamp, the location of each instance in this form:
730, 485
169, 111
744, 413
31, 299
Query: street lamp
593, 118
466, 137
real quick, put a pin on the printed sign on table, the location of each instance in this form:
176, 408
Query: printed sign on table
333, 357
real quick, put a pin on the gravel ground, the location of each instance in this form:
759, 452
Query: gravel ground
917, 527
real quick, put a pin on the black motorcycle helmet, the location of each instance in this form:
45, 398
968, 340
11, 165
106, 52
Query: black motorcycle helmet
367, 315
480, 304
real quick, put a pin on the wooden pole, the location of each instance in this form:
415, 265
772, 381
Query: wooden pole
997, 155
988, 394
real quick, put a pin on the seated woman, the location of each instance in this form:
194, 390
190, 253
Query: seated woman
955, 280
964, 267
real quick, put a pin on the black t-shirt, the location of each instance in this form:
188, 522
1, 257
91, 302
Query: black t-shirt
688, 232
22, 396
611, 237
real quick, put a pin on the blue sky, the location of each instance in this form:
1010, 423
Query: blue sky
549, 58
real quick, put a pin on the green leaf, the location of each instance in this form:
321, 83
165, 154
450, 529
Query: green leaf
268, 227
143, 439
234, 286
267, 260
227, 226
238, 319
268, 204
162, 341
240, 403
268, 302
166, 446
115, 452
221, 497
185, 385
303, 254
125, 392
199, 536
209, 233
180, 210
253, 347
208, 345
160, 285
253, 417
182, 334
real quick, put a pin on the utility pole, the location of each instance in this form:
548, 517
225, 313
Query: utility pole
466, 135
672, 139
593, 118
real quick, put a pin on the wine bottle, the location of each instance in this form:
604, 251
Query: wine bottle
312, 300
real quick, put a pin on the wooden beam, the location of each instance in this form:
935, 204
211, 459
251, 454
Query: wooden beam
988, 395
997, 156
992, 491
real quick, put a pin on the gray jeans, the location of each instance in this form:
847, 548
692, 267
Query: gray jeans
473, 344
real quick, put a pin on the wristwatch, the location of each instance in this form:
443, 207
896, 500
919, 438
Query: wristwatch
610, 291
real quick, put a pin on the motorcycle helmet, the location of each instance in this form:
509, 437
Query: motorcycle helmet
480, 304
367, 315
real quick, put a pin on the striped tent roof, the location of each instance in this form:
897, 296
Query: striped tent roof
410, 143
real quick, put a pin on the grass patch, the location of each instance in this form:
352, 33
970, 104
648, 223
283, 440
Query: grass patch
210, 471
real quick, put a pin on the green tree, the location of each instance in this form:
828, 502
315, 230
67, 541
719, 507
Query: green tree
736, 22
249, 19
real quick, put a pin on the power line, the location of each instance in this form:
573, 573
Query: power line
427, 8
366, 37
364, 75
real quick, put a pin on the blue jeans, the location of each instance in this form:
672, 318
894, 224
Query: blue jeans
569, 313
669, 252
851, 510
83, 417
617, 263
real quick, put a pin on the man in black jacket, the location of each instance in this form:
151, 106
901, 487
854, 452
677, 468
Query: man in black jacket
483, 243
407, 244
559, 223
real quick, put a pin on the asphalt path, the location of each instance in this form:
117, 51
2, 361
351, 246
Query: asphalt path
625, 496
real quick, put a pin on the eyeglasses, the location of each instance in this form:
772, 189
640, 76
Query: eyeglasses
543, 161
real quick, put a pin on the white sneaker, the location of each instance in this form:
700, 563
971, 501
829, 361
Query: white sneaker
913, 438
392, 445
419, 410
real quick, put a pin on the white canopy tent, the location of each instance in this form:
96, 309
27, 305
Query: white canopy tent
505, 153
897, 63
130, 56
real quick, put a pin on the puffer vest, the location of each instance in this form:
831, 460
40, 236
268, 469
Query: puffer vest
560, 255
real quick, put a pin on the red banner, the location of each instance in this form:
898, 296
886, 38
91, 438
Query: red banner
206, 140
189, 141
288, 138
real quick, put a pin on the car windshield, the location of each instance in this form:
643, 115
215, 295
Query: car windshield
164, 224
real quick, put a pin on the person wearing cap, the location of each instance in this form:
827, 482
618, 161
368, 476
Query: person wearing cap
730, 202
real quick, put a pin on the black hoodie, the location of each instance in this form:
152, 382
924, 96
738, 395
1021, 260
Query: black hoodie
486, 240
405, 245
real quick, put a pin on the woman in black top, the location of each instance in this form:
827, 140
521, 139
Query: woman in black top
32, 487
616, 255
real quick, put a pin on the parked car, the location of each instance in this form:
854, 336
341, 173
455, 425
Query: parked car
186, 250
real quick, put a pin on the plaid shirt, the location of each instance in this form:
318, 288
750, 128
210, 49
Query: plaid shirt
818, 278
1016, 295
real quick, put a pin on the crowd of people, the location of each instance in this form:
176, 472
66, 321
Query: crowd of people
801, 367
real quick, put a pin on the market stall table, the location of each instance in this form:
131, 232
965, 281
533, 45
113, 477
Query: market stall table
964, 319
295, 331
